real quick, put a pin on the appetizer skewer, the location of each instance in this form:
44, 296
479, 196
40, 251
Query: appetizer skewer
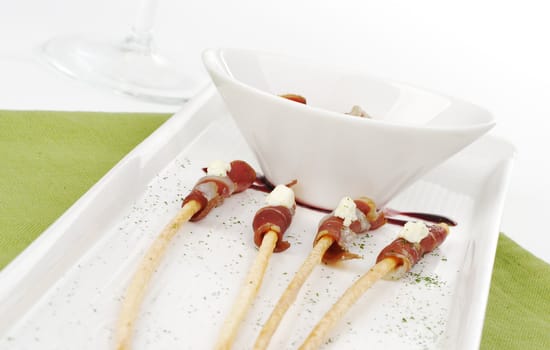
349, 218
396, 259
270, 223
222, 180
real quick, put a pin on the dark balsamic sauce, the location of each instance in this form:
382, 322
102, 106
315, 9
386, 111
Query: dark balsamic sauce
263, 185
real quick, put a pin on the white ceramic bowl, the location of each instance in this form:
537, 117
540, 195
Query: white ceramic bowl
332, 154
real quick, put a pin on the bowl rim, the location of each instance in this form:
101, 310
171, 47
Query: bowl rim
210, 55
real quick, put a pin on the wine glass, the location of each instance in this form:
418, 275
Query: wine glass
130, 66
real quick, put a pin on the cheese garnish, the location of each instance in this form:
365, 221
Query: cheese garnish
281, 195
346, 210
414, 231
218, 168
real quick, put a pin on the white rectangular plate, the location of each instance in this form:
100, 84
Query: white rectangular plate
64, 291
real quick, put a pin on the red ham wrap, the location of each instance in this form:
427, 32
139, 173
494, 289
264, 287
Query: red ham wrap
273, 218
368, 218
210, 191
295, 98
406, 254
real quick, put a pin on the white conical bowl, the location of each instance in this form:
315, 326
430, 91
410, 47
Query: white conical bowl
332, 154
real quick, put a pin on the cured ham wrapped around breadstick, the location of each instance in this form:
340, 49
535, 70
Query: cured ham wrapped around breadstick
408, 248
348, 219
270, 224
275, 217
336, 230
221, 181
414, 241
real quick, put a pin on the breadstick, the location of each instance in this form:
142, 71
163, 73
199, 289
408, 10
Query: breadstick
248, 292
136, 290
352, 294
397, 258
350, 217
289, 295
222, 180
270, 223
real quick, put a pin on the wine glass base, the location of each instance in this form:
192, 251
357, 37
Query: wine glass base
139, 73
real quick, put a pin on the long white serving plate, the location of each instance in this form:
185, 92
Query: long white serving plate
64, 291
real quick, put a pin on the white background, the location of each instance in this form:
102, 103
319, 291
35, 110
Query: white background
493, 53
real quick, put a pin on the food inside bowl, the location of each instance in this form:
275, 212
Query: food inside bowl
355, 111
295, 98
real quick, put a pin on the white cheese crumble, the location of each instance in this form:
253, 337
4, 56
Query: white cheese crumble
281, 195
357, 111
414, 231
218, 168
346, 210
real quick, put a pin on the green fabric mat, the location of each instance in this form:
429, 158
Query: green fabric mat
49, 159
518, 311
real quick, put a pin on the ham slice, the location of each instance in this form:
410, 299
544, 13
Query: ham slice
368, 218
406, 254
272, 218
210, 191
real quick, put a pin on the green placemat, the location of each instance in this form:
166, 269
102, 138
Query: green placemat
518, 310
49, 159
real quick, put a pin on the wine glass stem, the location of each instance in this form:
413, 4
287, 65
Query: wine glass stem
141, 36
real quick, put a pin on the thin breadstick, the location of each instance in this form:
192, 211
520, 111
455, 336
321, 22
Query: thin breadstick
291, 292
248, 291
138, 285
352, 294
